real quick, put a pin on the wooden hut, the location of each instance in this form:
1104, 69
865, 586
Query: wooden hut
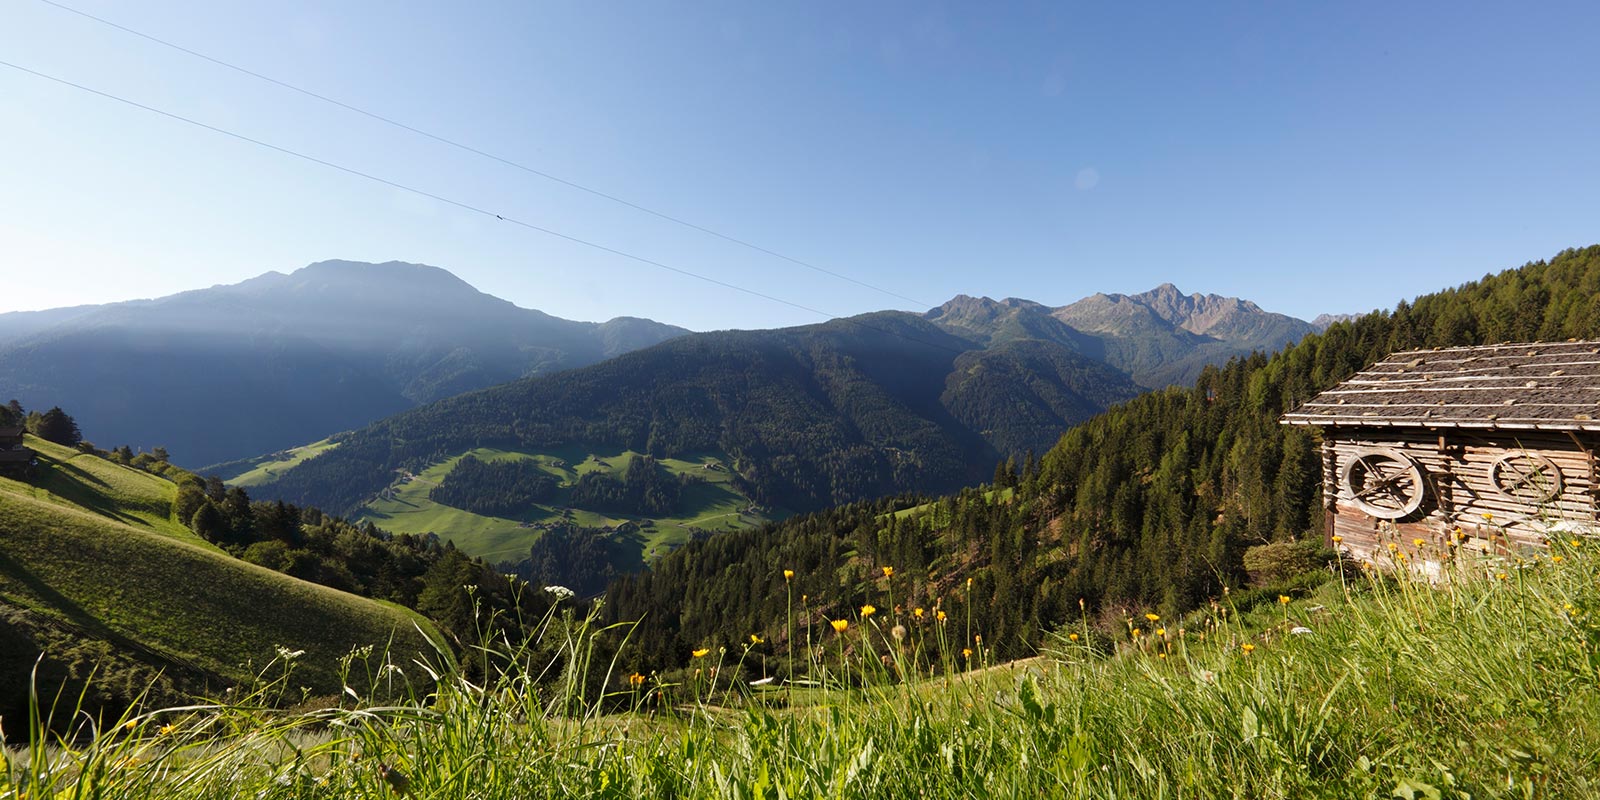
1476, 447
15, 457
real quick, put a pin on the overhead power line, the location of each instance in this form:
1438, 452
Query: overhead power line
468, 206
491, 156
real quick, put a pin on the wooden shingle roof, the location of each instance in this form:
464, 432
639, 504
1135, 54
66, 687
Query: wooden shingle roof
1544, 386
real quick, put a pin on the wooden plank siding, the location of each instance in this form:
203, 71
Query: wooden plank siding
1456, 466
1455, 411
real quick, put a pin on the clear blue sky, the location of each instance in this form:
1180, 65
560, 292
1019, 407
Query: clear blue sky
1310, 156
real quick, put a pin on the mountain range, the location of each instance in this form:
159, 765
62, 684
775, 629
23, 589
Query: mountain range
813, 415
278, 360
1158, 338
823, 414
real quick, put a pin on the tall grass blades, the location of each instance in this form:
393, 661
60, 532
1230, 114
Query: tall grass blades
1480, 681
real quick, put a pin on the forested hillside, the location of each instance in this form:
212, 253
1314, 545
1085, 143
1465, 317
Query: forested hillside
810, 416
1150, 505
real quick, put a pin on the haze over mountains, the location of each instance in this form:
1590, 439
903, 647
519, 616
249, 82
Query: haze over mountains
278, 360
823, 414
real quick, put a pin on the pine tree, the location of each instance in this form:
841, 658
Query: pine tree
55, 426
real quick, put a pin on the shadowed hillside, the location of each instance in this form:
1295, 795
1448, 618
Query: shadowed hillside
280, 360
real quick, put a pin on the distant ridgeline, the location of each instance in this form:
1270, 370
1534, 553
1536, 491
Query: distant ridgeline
229, 372
1150, 505
810, 416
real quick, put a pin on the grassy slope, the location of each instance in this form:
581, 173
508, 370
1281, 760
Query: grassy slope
710, 507
75, 480
265, 469
1485, 683
101, 557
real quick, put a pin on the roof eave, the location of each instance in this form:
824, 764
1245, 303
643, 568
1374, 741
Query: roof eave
1552, 425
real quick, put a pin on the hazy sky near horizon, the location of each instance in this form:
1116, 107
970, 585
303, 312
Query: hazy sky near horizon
1328, 157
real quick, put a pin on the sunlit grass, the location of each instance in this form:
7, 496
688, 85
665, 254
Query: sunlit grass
266, 469
714, 505
1358, 686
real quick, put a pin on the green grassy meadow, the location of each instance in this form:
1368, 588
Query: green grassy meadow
89, 544
709, 507
76, 480
265, 469
1484, 683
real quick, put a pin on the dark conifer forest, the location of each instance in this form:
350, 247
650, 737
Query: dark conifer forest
494, 488
1148, 506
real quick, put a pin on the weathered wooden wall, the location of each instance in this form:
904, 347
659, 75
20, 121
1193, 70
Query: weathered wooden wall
1455, 465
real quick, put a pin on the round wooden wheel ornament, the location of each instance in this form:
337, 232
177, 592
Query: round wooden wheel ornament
1528, 477
1385, 483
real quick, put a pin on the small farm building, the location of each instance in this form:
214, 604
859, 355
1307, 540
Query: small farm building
15, 457
1478, 447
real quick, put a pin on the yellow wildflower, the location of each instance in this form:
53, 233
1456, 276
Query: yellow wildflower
1073, 636
1487, 516
1136, 633
1153, 617
754, 639
939, 616
917, 612
868, 610
840, 624
888, 572
129, 725
635, 679
1556, 559
1500, 575
788, 574
701, 653
167, 730
1283, 599
966, 652
1417, 542
1337, 539
1393, 547
1161, 655
1247, 648
1161, 631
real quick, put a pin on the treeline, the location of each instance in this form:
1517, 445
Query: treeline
581, 559
1148, 507
54, 425
417, 572
494, 488
646, 489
